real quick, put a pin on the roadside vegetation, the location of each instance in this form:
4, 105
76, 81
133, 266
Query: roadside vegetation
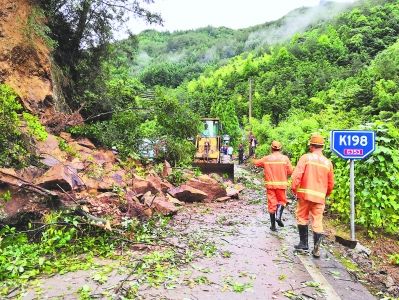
64, 243
19, 128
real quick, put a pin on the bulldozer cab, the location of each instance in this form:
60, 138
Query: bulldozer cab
211, 127
208, 144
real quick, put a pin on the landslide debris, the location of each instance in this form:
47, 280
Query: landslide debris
76, 175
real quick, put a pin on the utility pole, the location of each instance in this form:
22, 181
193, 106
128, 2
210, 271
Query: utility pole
250, 99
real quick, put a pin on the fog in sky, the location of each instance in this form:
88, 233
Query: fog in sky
192, 14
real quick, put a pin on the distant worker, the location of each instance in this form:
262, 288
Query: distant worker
240, 154
230, 151
207, 149
252, 144
312, 182
225, 149
276, 168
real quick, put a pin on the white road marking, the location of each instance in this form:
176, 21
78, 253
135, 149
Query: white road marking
317, 276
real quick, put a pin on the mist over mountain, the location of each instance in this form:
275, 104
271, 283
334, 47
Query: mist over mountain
296, 21
196, 50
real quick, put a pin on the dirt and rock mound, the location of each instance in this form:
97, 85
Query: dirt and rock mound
76, 175
26, 65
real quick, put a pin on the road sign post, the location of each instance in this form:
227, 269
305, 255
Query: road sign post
352, 197
352, 145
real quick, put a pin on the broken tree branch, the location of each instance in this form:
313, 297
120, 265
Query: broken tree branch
23, 184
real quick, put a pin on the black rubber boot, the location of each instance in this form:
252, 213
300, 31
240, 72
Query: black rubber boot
303, 236
279, 213
273, 222
317, 239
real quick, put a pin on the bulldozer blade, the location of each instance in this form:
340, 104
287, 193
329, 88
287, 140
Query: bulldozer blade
218, 168
347, 243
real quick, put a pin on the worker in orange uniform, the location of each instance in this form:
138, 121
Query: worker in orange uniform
276, 167
312, 182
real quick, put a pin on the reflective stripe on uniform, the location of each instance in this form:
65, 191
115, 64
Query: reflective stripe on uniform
317, 164
277, 182
274, 162
312, 192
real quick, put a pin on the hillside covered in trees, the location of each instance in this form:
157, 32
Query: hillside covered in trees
168, 59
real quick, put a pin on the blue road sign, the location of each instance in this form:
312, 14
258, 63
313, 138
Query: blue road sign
352, 144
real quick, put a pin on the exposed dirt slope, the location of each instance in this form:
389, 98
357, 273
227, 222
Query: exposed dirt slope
24, 59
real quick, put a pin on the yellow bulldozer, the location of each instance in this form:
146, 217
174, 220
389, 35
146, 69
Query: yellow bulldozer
208, 157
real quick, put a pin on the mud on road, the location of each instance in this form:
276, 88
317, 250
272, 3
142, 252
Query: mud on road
244, 260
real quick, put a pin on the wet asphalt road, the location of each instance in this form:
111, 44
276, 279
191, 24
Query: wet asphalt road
262, 261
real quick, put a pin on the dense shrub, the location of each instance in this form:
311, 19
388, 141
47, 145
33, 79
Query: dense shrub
377, 183
13, 150
14, 144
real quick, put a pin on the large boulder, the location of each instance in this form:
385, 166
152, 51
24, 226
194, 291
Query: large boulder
59, 177
160, 204
103, 156
209, 186
110, 180
154, 180
104, 182
76, 163
91, 184
141, 186
30, 173
160, 184
148, 199
66, 136
50, 152
187, 193
164, 207
173, 200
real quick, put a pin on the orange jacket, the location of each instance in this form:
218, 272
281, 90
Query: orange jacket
276, 168
313, 177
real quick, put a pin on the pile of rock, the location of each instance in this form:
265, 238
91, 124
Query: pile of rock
77, 174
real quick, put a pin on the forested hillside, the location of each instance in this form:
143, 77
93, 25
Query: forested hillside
168, 59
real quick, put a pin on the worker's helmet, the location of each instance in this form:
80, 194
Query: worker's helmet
316, 139
276, 145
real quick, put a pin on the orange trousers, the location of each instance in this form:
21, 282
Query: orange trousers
310, 211
274, 197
